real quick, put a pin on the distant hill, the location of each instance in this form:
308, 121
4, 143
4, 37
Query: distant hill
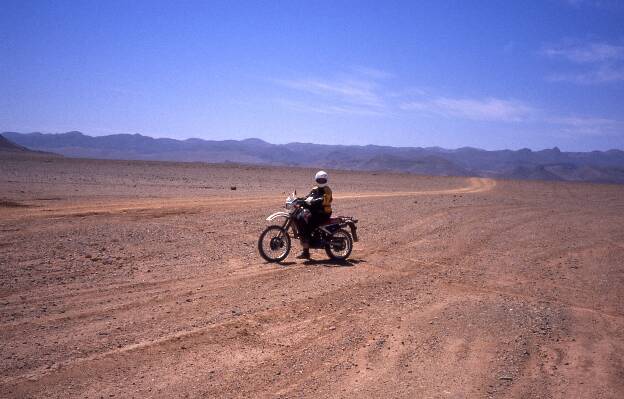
9, 147
550, 164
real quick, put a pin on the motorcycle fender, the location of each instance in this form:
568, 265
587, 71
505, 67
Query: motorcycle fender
278, 215
353, 231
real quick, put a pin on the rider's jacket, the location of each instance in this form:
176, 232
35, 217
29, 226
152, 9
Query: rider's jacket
321, 200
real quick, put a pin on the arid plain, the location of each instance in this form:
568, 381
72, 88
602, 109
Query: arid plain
142, 279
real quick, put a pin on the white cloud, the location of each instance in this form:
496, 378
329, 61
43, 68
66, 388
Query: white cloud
599, 62
358, 96
328, 109
488, 109
408, 92
354, 92
359, 92
602, 4
595, 52
603, 74
373, 73
588, 126
508, 111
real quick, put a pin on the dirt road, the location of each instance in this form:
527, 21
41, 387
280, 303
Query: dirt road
136, 279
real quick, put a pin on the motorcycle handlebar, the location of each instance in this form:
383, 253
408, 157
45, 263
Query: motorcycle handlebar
299, 202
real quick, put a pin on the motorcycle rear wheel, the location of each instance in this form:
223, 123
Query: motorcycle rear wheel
340, 245
274, 244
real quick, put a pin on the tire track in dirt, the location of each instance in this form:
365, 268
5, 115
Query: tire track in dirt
367, 372
160, 292
466, 288
212, 333
475, 185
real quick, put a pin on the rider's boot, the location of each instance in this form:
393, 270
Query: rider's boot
305, 254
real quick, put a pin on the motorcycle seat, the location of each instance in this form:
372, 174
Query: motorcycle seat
331, 221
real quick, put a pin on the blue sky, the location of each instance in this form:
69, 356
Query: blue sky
499, 74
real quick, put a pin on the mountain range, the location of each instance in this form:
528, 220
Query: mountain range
548, 164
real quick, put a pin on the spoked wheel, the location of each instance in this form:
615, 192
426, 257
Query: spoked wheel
340, 245
274, 244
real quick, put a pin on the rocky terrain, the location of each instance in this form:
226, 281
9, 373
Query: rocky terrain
142, 279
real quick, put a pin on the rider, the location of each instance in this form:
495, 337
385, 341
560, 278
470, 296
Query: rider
319, 203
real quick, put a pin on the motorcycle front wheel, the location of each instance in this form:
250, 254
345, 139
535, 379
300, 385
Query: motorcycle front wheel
340, 245
274, 244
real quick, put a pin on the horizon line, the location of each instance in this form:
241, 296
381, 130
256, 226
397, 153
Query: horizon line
310, 143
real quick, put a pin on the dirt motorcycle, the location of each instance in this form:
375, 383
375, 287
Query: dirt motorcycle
274, 243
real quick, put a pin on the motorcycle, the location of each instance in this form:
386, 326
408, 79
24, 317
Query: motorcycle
274, 243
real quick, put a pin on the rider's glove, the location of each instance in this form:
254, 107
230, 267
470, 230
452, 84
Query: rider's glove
308, 200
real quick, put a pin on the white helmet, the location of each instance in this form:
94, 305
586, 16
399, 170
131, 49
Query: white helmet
321, 178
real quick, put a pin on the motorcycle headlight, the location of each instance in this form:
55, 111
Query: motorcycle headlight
289, 201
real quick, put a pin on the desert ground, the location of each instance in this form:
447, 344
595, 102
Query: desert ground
142, 279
